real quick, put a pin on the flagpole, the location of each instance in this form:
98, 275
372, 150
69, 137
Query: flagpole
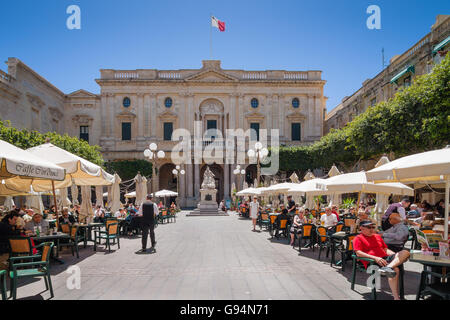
210, 37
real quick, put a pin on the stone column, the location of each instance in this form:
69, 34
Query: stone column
241, 110
140, 114
311, 115
182, 185
281, 106
147, 115
153, 115
117, 102
196, 180
226, 175
318, 126
104, 112
189, 181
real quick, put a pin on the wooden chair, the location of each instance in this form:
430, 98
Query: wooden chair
307, 233
272, 219
73, 241
20, 246
3, 284
112, 233
264, 220
347, 251
283, 227
323, 240
65, 228
348, 222
42, 268
339, 227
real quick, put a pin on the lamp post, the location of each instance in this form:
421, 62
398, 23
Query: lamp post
260, 153
178, 172
239, 172
153, 155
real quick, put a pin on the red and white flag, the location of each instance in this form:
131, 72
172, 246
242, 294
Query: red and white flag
218, 24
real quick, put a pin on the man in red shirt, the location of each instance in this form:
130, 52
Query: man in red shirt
370, 245
334, 210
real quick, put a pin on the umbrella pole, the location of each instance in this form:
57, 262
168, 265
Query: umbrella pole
54, 198
447, 185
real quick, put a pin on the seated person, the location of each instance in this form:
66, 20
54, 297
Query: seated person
173, 206
414, 212
329, 220
308, 215
299, 219
440, 208
37, 221
370, 245
8, 229
396, 236
222, 206
362, 216
120, 213
334, 210
282, 216
66, 217
99, 214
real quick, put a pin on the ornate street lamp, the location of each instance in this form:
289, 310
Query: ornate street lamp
260, 153
239, 172
177, 172
153, 155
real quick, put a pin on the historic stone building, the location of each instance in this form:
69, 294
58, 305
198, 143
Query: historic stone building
417, 60
137, 107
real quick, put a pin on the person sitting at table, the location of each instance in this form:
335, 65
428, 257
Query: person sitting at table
66, 218
37, 221
308, 215
222, 206
370, 245
8, 229
440, 208
160, 205
299, 219
290, 205
414, 212
427, 220
99, 214
396, 236
395, 207
328, 220
334, 210
363, 215
282, 216
28, 215
120, 213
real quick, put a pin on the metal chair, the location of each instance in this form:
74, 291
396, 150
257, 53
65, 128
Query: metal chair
307, 233
112, 233
3, 284
440, 289
42, 268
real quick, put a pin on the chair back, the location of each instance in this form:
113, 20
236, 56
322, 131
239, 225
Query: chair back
339, 227
322, 213
283, 223
46, 251
348, 222
110, 221
349, 238
307, 229
65, 228
427, 231
272, 219
322, 232
264, 216
73, 232
112, 228
20, 246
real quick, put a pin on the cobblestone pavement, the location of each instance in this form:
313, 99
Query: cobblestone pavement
208, 258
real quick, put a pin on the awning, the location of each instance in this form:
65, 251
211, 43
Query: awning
402, 73
441, 45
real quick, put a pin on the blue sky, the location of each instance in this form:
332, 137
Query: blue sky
287, 34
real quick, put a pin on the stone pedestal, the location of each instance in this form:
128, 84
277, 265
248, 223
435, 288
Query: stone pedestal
208, 204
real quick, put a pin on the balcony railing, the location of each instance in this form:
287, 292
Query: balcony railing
295, 76
5, 77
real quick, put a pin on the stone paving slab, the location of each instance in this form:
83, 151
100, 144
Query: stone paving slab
204, 258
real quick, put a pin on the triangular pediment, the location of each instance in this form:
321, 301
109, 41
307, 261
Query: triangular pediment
167, 115
82, 94
126, 114
211, 76
296, 115
254, 115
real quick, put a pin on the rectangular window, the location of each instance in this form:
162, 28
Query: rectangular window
373, 102
296, 131
212, 124
254, 135
407, 81
126, 131
84, 133
168, 129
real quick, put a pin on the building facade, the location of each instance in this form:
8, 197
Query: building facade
138, 107
417, 60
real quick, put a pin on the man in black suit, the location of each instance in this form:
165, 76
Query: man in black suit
148, 211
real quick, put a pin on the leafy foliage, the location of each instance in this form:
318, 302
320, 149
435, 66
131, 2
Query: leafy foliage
417, 119
127, 169
27, 139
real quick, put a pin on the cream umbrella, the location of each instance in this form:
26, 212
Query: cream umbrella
140, 192
63, 198
281, 188
308, 176
115, 194
294, 178
9, 203
86, 213
74, 191
333, 171
99, 196
130, 194
35, 202
431, 167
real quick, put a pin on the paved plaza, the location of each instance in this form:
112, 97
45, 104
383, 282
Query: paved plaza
204, 258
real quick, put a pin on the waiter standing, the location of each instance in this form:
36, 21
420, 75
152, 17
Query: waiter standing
148, 211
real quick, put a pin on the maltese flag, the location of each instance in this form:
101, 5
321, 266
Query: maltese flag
218, 24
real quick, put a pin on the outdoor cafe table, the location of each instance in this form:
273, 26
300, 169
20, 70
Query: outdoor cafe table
429, 261
88, 230
52, 238
337, 237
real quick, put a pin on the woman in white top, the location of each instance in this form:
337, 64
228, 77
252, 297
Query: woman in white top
254, 207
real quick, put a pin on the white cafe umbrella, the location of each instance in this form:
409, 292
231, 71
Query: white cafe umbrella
308, 188
86, 203
9, 202
140, 195
281, 188
74, 191
250, 192
166, 193
63, 198
99, 196
35, 202
308, 176
130, 194
431, 167
114, 203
